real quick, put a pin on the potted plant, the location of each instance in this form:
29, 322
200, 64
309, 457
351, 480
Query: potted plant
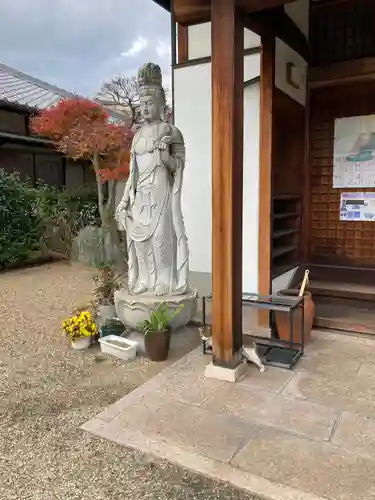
157, 332
106, 282
80, 329
111, 326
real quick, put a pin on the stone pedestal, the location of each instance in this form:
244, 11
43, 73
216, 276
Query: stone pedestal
132, 310
226, 374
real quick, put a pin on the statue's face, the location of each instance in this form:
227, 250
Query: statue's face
149, 108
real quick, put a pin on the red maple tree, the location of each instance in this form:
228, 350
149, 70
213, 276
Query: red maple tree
81, 129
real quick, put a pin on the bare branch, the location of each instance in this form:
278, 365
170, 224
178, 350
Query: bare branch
123, 92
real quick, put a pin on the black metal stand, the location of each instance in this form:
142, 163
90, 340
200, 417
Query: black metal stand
275, 352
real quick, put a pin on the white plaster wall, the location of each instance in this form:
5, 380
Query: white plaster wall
251, 39
299, 13
251, 188
192, 97
283, 55
283, 281
199, 40
251, 66
192, 101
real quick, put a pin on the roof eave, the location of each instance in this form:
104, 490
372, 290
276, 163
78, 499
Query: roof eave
166, 4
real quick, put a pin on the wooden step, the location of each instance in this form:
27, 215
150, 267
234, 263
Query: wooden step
343, 290
364, 276
345, 315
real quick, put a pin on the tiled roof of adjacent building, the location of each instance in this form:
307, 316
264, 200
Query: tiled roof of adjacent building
24, 90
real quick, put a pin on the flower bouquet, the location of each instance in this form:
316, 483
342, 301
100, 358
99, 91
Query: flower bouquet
80, 329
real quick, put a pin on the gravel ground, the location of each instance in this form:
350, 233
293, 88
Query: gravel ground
48, 391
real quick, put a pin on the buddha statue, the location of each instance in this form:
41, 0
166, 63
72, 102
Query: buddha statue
150, 209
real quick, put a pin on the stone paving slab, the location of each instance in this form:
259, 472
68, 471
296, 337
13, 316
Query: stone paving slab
326, 363
189, 427
191, 388
340, 391
275, 410
272, 380
321, 468
305, 434
356, 432
225, 472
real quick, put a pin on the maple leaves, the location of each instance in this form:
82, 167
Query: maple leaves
81, 129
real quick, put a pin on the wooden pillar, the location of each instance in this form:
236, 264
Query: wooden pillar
227, 170
267, 85
183, 43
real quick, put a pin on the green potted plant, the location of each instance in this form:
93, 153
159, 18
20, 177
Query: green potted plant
157, 332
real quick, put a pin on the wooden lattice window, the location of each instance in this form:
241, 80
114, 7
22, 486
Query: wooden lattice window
342, 31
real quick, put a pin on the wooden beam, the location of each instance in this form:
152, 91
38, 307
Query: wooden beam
188, 12
275, 22
257, 5
267, 78
183, 43
207, 59
227, 172
341, 73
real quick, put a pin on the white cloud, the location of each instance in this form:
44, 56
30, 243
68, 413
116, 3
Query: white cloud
163, 48
138, 46
88, 39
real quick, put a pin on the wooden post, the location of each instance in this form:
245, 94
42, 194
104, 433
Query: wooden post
227, 172
183, 43
267, 79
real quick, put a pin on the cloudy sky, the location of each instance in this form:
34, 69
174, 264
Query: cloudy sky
79, 44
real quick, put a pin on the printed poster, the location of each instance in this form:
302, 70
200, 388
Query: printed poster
357, 207
354, 152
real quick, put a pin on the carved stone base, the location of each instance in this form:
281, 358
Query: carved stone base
132, 310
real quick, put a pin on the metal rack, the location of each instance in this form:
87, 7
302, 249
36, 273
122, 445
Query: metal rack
274, 352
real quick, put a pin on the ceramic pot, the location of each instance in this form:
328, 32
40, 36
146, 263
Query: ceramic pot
82, 343
157, 345
283, 322
106, 312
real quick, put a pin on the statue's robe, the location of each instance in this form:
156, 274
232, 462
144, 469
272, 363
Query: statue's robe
155, 229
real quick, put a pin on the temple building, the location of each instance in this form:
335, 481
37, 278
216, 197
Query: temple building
275, 100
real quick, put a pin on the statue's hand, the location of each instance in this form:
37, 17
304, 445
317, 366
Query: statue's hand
164, 143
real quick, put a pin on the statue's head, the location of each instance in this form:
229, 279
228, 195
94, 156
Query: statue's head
151, 92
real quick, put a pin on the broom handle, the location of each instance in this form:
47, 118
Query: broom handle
304, 283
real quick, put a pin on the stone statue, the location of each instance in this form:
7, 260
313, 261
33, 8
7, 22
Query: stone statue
150, 209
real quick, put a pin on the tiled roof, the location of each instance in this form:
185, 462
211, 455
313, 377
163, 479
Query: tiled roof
25, 90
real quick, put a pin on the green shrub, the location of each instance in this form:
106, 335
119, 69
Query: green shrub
41, 219
63, 214
20, 224
82, 203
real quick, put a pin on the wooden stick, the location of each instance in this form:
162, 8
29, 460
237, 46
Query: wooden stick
304, 283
